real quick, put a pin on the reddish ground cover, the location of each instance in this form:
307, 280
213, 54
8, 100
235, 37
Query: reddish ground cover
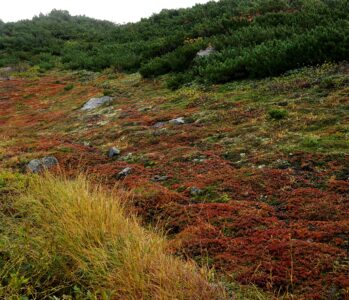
232, 198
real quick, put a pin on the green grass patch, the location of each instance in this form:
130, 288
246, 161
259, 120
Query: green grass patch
278, 114
69, 87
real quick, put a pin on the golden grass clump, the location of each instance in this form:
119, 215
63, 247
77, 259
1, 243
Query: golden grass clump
65, 238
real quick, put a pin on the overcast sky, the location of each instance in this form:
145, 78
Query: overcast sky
118, 11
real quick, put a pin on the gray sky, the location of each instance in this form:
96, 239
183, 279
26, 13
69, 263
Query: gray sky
118, 11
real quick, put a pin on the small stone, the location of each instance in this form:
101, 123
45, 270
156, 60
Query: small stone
194, 191
158, 178
177, 121
113, 151
159, 124
198, 160
263, 197
144, 109
124, 173
39, 165
283, 164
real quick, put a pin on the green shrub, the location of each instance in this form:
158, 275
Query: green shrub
311, 142
327, 83
274, 57
69, 87
278, 114
155, 67
175, 81
108, 92
45, 61
281, 35
176, 61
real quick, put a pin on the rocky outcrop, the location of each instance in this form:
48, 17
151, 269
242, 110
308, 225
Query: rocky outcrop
207, 52
96, 102
39, 165
124, 173
113, 152
5, 73
177, 121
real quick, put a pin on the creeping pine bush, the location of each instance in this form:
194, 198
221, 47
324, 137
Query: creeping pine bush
252, 39
278, 114
176, 80
69, 87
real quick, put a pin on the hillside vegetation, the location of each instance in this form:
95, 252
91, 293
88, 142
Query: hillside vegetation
254, 183
254, 38
239, 157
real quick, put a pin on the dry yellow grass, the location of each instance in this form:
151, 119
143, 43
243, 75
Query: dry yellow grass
67, 237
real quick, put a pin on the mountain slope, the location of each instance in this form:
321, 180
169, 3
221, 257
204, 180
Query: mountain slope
254, 183
240, 156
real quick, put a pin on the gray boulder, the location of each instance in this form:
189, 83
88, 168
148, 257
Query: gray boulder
113, 151
124, 173
159, 124
282, 164
35, 165
5, 73
158, 178
177, 121
6, 70
39, 165
208, 51
200, 159
96, 102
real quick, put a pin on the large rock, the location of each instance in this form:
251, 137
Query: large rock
6, 70
159, 124
39, 165
208, 51
177, 121
158, 178
113, 151
124, 173
96, 102
5, 73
